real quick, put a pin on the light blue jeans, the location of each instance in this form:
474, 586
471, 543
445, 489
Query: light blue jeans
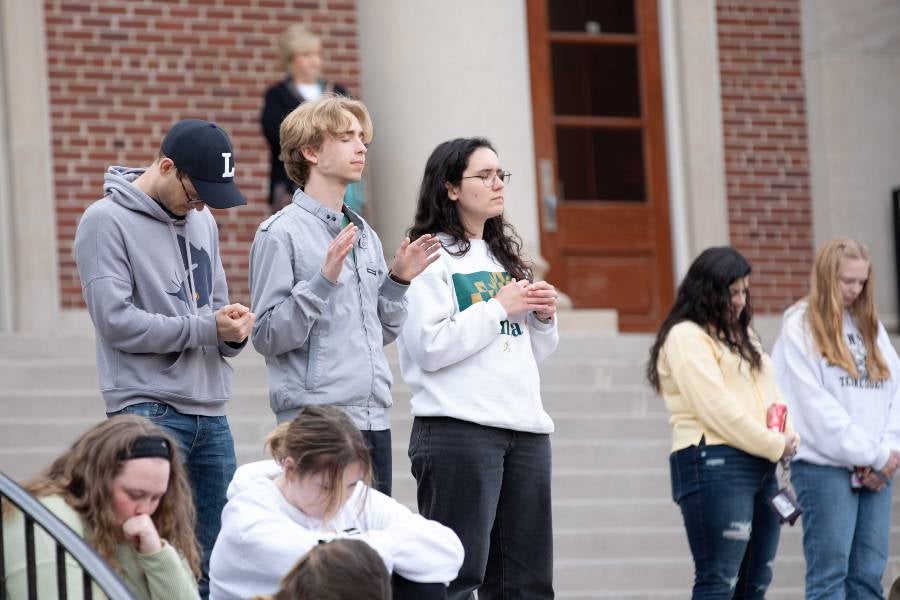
845, 533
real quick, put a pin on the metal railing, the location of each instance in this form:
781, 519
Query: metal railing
94, 569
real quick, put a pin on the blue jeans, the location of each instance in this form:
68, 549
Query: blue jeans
492, 487
207, 451
845, 533
733, 533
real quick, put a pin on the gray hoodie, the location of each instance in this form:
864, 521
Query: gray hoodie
155, 321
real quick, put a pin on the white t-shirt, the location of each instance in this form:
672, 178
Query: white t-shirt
310, 91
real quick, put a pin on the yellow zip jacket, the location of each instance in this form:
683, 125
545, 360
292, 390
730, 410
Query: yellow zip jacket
711, 391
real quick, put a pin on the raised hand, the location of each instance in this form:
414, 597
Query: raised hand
515, 299
141, 532
412, 258
337, 252
544, 294
234, 323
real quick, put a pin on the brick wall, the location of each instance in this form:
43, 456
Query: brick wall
766, 158
122, 71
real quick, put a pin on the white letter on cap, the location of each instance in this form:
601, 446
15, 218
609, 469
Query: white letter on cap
229, 170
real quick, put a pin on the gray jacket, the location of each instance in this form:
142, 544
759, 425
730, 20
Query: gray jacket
155, 321
323, 341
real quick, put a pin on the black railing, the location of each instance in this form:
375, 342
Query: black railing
94, 568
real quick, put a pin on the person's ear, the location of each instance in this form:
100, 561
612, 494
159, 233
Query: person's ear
452, 191
310, 154
166, 165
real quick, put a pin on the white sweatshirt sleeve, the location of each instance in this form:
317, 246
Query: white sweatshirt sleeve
891, 437
437, 336
253, 555
417, 548
544, 337
820, 419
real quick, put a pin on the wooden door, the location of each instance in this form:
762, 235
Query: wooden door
600, 150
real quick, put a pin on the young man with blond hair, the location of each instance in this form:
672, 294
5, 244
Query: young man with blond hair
325, 299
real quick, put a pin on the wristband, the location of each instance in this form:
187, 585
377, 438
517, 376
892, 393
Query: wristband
396, 279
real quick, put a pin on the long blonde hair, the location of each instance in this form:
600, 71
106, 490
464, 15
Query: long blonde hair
83, 476
825, 312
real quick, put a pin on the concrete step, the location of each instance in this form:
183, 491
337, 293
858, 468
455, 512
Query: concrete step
62, 403
81, 374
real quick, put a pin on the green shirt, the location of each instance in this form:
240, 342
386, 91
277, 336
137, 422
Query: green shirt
164, 575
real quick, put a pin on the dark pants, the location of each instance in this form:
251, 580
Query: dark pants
207, 450
492, 487
379, 443
404, 589
732, 531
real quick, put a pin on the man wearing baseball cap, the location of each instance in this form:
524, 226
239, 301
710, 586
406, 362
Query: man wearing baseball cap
148, 258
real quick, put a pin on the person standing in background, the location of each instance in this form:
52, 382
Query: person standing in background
301, 54
838, 370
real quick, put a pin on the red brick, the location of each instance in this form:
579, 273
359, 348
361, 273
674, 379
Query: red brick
766, 154
122, 72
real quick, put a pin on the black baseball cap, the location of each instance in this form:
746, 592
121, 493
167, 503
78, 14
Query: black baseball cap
202, 151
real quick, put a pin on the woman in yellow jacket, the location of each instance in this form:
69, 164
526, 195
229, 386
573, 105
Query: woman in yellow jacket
717, 382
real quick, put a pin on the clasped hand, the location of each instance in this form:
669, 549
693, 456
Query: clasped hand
234, 323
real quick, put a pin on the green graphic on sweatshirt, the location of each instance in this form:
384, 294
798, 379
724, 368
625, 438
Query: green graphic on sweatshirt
481, 286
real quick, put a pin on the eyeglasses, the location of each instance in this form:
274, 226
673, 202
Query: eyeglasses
191, 201
488, 178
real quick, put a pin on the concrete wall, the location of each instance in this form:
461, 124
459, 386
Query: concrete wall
852, 65
28, 237
432, 71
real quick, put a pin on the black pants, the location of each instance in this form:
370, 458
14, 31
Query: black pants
379, 443
404, 589
492, 487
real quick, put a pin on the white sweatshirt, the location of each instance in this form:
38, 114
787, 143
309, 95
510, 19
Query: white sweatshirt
263, 536
843, 421
462, 356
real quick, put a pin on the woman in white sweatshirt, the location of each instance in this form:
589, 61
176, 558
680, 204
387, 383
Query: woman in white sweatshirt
838, 371
316, 490
475, 331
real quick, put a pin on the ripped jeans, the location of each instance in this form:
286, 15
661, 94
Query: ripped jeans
732, 531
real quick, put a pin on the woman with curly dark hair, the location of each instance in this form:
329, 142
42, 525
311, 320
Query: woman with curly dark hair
476, 328
718, 384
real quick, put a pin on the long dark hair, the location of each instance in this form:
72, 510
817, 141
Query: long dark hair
703, 298
436, 213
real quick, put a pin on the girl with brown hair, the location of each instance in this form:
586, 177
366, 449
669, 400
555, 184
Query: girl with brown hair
317, 490
122, 487
342, 569
838, 371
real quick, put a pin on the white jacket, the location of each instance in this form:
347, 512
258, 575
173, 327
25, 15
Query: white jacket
263, 536
843, 421
461, 354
